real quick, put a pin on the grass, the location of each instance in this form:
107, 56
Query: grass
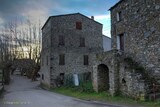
85, 92
103, 96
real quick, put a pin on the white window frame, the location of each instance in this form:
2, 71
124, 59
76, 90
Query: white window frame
118, 16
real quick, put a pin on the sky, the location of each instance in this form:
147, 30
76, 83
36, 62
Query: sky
42, 9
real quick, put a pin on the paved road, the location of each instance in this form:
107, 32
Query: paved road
24, 93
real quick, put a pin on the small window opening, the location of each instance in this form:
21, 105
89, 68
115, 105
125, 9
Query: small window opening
123, 81
79, 25
42, 76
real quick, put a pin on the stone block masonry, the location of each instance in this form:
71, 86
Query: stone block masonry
139, 24
69, 45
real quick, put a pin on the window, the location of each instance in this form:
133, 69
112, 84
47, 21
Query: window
120, 42
61, 40
47, 44
79, 25
47, 60
123, 81
42, 76
82, 42
119, 16
61, 78
86, 60
51, 59
61, 59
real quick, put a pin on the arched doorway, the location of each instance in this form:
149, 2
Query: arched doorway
103, 78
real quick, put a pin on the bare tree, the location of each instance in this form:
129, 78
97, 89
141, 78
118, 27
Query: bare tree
20, 40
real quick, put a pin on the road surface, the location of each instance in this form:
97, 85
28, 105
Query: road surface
24, 93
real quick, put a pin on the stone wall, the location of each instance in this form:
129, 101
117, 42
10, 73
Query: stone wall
140, 25
131, 83
123, 79
110, 61
45, 67
65, 25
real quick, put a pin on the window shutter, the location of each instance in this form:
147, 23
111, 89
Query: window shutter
86, 60
61, 40
118, 42
82, 42
61, 59
117, 16
79, 25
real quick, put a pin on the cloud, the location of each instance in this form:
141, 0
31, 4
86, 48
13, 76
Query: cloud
1, 21
107, 32
37, 10
33, 9
105, 20
42, 9
35, 15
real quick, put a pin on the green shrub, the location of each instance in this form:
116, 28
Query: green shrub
86, 87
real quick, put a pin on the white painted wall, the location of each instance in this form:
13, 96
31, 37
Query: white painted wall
106, 43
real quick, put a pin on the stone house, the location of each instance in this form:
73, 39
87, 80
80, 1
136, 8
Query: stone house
69, 45
133, 64
135, 30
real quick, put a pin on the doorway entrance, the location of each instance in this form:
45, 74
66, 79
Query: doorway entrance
103, 78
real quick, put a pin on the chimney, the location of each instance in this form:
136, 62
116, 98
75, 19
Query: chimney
92, 17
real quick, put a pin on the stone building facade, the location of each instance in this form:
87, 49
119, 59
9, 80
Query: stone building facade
136, 30
133, 64
69, 45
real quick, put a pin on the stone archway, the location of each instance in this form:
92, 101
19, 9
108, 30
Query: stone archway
103, 77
